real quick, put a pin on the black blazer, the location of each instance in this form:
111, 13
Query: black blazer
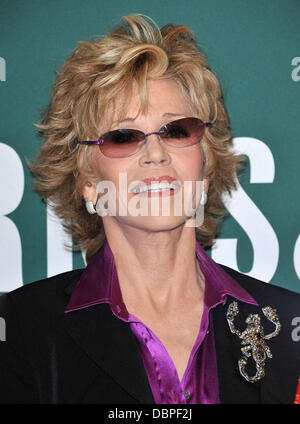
90, 356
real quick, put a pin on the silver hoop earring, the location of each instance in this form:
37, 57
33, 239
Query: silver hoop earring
203, 198
90, 207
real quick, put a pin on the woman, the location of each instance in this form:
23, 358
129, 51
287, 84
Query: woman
151, 319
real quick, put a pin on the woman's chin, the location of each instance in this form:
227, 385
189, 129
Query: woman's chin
152, 223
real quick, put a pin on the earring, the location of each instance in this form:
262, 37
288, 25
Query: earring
90, 207
203, 198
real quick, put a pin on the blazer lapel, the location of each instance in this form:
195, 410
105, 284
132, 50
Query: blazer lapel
111, 344
280, 383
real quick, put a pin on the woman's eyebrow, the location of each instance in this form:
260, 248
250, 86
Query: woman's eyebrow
165, 115
172, 114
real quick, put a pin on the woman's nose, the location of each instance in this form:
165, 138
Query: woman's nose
154, 151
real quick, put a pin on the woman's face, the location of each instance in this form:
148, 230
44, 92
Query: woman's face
155, 159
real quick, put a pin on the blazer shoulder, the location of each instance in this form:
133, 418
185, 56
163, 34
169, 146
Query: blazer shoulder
46, 293
265, 293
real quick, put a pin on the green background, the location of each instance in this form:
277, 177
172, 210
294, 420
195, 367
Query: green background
250, 46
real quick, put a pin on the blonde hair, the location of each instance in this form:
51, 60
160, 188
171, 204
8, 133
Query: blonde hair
88, 84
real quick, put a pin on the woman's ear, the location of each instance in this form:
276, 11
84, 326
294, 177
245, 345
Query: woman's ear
89, 192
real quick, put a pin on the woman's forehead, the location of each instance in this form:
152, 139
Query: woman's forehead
163, 96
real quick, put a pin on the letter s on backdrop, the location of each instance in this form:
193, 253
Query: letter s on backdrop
243, 209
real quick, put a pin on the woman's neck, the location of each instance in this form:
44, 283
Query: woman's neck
156, 268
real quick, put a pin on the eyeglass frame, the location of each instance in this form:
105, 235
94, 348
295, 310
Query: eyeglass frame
101, 141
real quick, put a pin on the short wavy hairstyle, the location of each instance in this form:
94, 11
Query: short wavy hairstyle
90, 80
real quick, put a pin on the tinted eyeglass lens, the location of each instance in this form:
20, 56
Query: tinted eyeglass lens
121, 143
183, 132
126, 142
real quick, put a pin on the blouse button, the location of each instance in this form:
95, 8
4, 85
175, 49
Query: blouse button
187, 395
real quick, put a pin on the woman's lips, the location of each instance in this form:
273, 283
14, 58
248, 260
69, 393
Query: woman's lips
163, 185
158, 179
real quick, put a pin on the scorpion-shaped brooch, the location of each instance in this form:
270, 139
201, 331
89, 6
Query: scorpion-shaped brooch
253, 339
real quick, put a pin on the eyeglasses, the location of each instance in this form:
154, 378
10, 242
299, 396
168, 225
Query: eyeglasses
121, 143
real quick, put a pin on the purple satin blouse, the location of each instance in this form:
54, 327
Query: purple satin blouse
99, 284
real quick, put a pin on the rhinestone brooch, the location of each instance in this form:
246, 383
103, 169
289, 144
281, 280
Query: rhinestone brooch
253, 339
